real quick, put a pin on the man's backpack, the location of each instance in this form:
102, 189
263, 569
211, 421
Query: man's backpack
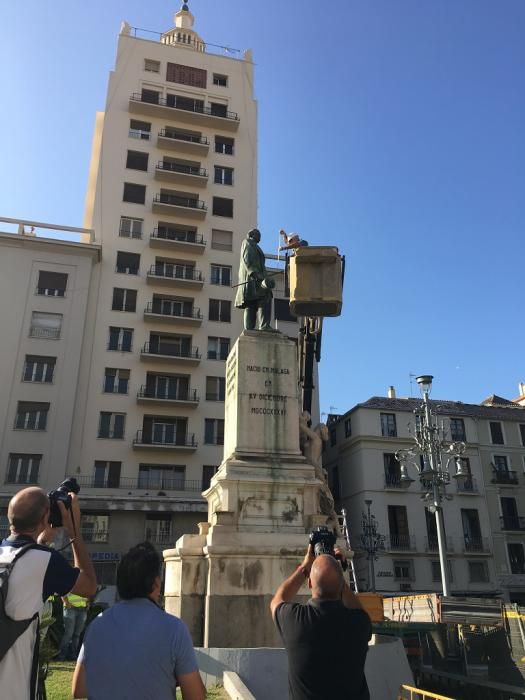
11, 629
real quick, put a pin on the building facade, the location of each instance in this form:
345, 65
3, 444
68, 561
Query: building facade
483, 518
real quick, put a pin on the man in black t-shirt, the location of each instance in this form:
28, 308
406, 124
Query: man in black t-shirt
327, 638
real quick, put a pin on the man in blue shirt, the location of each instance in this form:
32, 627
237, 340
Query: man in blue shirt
135, 650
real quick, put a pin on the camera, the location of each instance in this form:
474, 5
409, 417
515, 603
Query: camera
61, 493
323, 541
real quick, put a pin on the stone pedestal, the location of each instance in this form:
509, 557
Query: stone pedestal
262, 502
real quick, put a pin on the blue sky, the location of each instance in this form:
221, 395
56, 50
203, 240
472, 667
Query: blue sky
390, 128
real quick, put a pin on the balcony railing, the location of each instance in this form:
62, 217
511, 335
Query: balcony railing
147, 438
157, 308
181, 136
393, 481
179, 235
475, 544
431, 544
512, 522
155, 349
179, 201
142, 482
186, 106
467, 486
176, 272
504, 476
147, 393
400, 542
37, 332
183, 169
48, 292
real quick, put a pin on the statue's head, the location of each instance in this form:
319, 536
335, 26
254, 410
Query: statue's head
255, 235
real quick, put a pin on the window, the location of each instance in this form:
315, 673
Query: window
167, 386
161, 476
221, 274
94, 528
124, 299
398, 526
174, 345
388, 425
223, 176
501, 463
137, 160
120, 339
333, 437
151, 66
478, 572
496, 433
522, 434
510, 520
436, 571
51, 284
187, 103
116, 380
516, 557
457, 429
39, 369
218, 348
130, 228
224, 145
172, 232
348, 427
45, 325
392, 470
219, 310
158, 528
221, 240
215, 388
175, 270
218, 109
107, 474
404, 570
139, 130
207, 472
151, 96
23, 469
165, 430
134, 193
111, 425
128, 263
222, 207
31, 415
174, 306
335, 485
214, 431
186, 75
281, 308
220, 80
471, 530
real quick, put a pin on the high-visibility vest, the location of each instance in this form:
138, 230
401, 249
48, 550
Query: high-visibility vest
76, 601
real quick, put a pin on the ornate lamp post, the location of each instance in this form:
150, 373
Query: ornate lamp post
371, 542
431, 456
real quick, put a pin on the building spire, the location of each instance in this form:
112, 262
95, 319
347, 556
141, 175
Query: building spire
183, 18
183, 33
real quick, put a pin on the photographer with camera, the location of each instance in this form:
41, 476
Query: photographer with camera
30, 572
326, 638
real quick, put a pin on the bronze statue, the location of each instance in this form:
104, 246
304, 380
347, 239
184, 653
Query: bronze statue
254, 291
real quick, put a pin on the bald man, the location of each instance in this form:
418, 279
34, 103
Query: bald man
327, 638
38, 573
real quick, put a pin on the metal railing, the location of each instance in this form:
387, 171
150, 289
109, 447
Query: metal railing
145, 437
431, 544
467, 486
186, 106
181, 136
183, 169
177, 200
504, 476
147, 393
156, 308
400, 542
512, 522
176, 272
393, 481
181, 235
37, 332
475, 544
48, 292
408, 692
150, 348
142, 482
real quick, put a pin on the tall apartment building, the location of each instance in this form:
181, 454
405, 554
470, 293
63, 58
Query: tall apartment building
484, 520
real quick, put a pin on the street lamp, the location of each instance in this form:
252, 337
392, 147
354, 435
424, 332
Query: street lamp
371, 542
435, 453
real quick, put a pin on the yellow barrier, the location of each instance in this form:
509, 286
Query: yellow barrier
407, 692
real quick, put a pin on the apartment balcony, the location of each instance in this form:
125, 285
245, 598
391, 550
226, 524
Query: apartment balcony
181, 174
512, 522
178, 239
179, 205
194, 114
143, 482
147, 441
476, 545
171, 275
467, 486
400, 543
393, 481
162, 353
504, 476
175, 140
146, 395
431, 544
170, 314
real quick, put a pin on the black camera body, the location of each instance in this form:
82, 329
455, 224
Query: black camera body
61, 493
323, 541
